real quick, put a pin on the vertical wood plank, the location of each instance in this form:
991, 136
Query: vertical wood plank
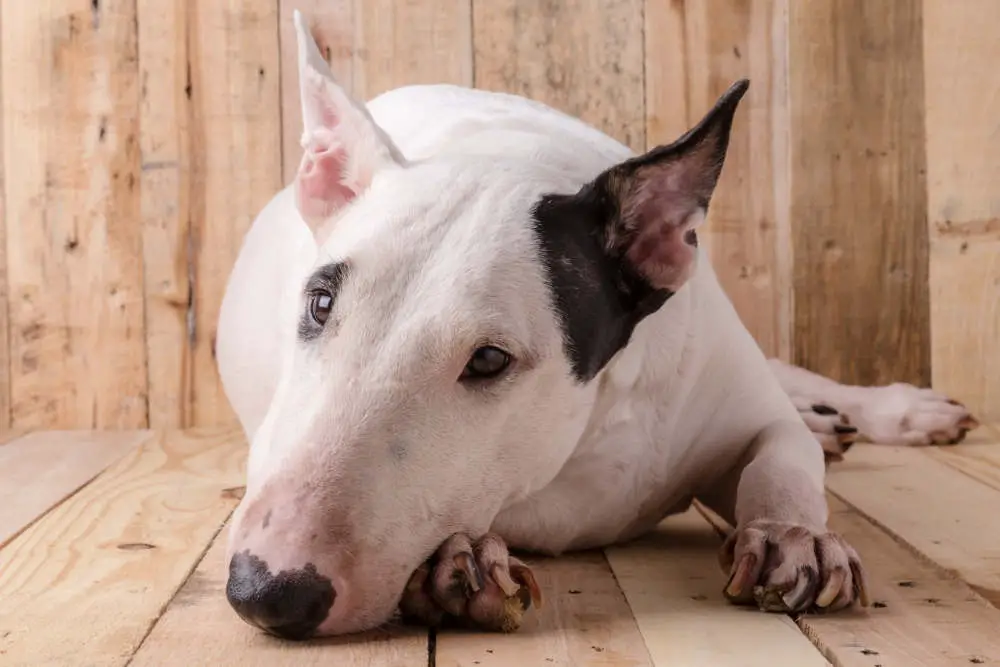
165, 199
235, 164
406, 42
74, 267
4, 311
373, 46
961, 50
332, 26
584, 57
694, 52
858, 191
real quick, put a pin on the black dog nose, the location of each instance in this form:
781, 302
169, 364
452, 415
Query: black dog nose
290, 604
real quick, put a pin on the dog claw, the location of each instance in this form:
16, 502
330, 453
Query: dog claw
467, 564
832, 588
451, 589
739, 579
504, 580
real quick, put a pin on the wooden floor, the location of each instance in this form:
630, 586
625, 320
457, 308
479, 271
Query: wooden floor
111, 554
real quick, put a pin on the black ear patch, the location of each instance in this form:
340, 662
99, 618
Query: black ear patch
620, 247
599, 298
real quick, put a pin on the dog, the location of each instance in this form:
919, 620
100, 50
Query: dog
475, 323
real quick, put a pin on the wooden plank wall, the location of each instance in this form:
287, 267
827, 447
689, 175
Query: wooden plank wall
856, 226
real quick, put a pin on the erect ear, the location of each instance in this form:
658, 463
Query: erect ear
343, 146
659, 198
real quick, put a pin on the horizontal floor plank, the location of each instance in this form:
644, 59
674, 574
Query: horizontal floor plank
40, 470
943, 513
673, 582
200, 628
584, 620
83, 585
921, 615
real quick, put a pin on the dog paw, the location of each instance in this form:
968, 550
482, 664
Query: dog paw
784, 567
471, 583
831, 428
901, 414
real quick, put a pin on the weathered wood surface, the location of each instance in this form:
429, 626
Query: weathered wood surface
71, 201
83, 585
858, 190
556, 53
129, 570
694, 52
856, 216
40, 470
961, 49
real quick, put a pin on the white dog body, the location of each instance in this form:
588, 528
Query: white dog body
414, 236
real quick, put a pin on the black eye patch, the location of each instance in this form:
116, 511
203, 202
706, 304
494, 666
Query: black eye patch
321, 287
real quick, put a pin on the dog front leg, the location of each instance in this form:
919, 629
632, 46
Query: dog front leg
781, 555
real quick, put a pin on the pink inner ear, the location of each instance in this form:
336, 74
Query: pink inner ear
320, 184
662, 213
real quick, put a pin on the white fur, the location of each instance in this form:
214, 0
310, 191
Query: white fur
364, 437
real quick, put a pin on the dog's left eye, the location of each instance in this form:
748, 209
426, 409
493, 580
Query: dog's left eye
485, 363
320, 305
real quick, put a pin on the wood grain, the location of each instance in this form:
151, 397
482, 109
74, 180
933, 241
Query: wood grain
70, 92
165, 145
978, 456
235, 169
584, 620
40, 470
932, 506
673, 584
694, 52
858, 190
406, 42
963, 103
4, 306
84, 584
200, 628
584, 57
332, 24
921, 614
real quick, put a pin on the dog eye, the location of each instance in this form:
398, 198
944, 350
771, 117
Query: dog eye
485, 363
320, 305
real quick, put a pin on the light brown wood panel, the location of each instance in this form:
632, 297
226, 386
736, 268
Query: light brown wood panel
405, 42
961, 49
694, 52
40, 470
235, 132
70, 94
84, 585
584, 57
584, 620
921, 615
374, 46
938, 509
858, 190
200, 628
4, 312
673, 584
333, 27
168, 258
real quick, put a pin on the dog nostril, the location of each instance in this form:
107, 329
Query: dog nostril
290, 604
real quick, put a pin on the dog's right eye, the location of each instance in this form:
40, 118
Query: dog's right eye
485, 363
320, 305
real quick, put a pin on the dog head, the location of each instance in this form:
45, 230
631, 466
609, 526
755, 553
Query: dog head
447, 341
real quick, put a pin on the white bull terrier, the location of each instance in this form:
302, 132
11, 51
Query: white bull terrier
474, 322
